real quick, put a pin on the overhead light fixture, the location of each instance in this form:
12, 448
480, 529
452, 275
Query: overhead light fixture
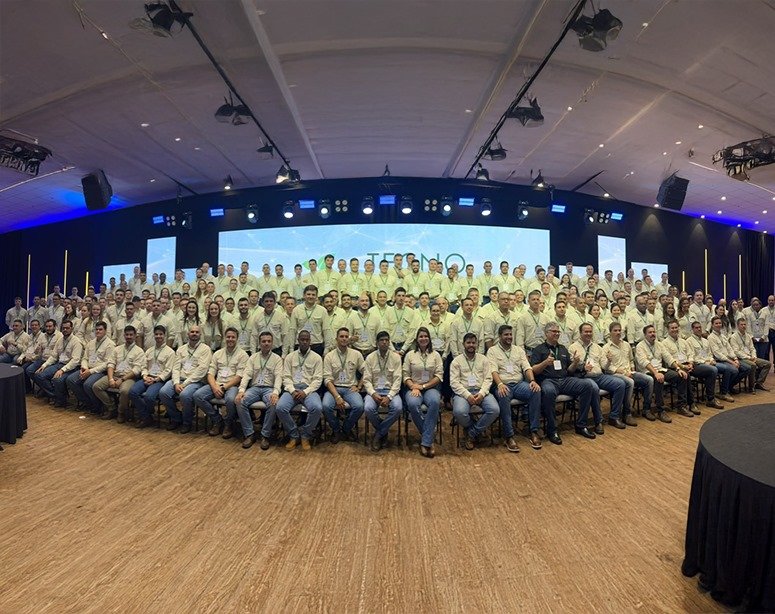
406, 205
723, 198
496, 152
288, 210
522, 212
486, 207
287, 175
187, 220
229, 113
251, 213
603, 217
160, 19
700, 126
367, 206
538, 181
446, 205
719, 211
527, 116
266, 151
589, 216
596, 32
656, 205
324, 208
606, 195
740, 158
228, 183
702, 217
739, 225
482, 174
386, 172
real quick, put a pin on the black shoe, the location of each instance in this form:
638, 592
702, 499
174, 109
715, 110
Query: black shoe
265, 443
599, 428
617, 423
335, 437
585, 432
145, 422
173, 426
351, 436
185, 429
376, 443
555, 439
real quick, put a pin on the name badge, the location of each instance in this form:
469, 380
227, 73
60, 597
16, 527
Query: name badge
93, 357
437, 344
226, 372
509, 368
260, 380
557, 365
122, 366
564, 339
298, 378
425, 377
243, 338
308, 327
472, 383
155, 369
342, 377
680, 357
399, 332
381, 382
364, 337
656, 362
538, 332
188, 365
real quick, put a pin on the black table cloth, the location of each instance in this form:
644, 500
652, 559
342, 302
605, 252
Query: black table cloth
730, 529
13, 403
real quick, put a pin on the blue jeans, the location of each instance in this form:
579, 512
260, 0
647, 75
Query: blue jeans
370, 408
205, 394
29, 372
6, 358
580, 388
353, 399
82, 389
426, 424
311, 403
54, 387
461, 410
729, 376
254, 395
520, 391
144, 397
644, 383
617, 388
167, 397
707, 374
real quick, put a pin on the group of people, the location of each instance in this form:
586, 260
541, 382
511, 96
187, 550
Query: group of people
341, 343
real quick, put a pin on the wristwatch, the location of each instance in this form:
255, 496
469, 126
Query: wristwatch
422, 387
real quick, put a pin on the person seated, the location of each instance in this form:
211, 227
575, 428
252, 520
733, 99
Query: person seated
618, 361
423, 370
125, 364
14, 343
192, 361
513, 378
470, 380
341, 367
227, 367
159, 362
731, 369
554, 370
746, 351
593, 360
652, 359
262, 380
382, 382
93, 366
302, 377
65, 359
703, 363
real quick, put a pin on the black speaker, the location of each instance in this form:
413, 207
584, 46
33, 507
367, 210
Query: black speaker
96, 191
672, 192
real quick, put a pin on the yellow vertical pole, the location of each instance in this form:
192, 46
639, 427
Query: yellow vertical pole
740, 275
86, 286
683, 281
706, 271
64, 284
45, 295
725, 286
29, 267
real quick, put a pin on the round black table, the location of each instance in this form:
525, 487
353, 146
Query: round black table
13, 403
730, 529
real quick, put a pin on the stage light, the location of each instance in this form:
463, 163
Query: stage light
527, 116
496, 152
589, 215
159, 19
558, 208
406, 205
538, 181
603, 217
228, 183
265, 151
522, 212
324, 208
217, 213
287, 175
486, 207
596, 32
187, 220
225, 112
482, 173
446, 205
431, 204
367, 206
288, 210
158, 219
252, 214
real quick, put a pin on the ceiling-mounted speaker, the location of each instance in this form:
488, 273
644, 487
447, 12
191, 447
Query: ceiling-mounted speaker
672, 192
96, 191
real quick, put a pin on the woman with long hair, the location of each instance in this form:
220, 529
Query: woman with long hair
201, 293
190, 318
423, 371
682, 315
599, 324
87, 329
668, 314
727, 326
616, 315
212, 329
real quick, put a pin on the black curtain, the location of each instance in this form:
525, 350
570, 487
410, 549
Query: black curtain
13, 281
758, 268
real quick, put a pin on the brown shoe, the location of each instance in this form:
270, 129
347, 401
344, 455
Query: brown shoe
468, 442
761, 387
426, 452
695, 409
683, 411
630, 421
145, 422
306, 445
617, 423
535, 440
649, 415
109, 415
121, 418
215, 429
726, 398
248, 441
292, 443
664, 417
376, 443
511, 445
714, 404
265, 443
228, 431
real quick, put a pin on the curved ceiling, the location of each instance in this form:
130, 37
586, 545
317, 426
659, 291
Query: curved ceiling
345, 87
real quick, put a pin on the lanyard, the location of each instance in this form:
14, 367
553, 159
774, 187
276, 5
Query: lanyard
230, 358
468, 324
364, 323
156, 353
267, 322
301, 362
342, 361
307, 312
401, 319
263, 365
471, 365
380, 363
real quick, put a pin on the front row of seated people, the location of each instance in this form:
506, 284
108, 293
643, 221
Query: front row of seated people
481, 386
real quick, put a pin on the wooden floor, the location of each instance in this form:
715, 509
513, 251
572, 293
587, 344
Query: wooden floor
100, 517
